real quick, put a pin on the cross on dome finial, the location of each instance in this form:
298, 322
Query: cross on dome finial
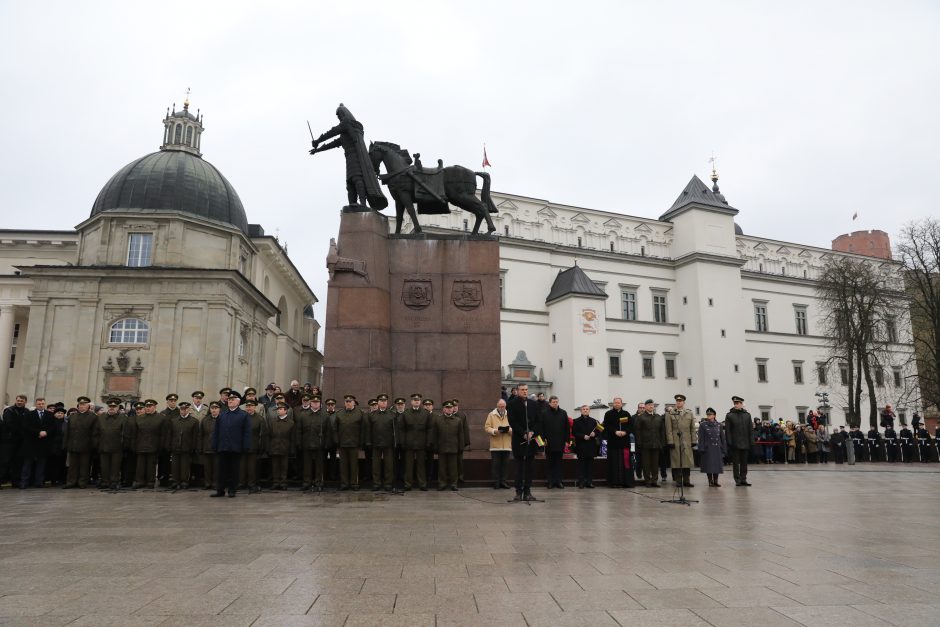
186, 101
714, 177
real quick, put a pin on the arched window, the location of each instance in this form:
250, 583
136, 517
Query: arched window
189, 135
178, 135
130, 331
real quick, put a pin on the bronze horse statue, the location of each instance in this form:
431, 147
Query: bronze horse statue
432, 189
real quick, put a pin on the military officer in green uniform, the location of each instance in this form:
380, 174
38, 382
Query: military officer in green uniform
248, 469
681, 435
150, 434
350, 428
466, 437
184, 440
313, 435
332, 450
206, 427
447, 436
383, 435
110, 435
739, 433
416, 423
280, 446
650, 431
80, 435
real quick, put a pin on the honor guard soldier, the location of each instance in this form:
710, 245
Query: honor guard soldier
280, 446
859, 444
150, 437
923, 443
466, 438
448, 440
80, 436
875, 449
349, 427
891, 444
681, 436
206, 427
650, 433
248, 469
110, 436
382, 437
739, 434
416, 424
907, 440
313, 436
184, 440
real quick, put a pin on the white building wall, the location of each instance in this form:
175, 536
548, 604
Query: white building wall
713, 291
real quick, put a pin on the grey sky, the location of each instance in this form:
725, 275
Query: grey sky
815, 110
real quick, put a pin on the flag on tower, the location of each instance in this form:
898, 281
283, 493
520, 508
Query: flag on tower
486, 162
855, 215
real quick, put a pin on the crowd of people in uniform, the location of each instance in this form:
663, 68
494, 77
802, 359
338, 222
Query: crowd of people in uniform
244, 439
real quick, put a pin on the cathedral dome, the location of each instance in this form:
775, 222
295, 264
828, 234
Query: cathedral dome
176, 178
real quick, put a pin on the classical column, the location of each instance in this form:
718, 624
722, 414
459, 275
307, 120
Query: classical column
6, 347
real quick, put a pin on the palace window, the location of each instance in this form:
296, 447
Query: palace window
800, 314
798, 372
880, 377
670, 361
139, 250
647, 363
822, 376
844, 374
897, 377
130, 331
891, 330
16, 338
762, 371
760, 316
614, 359
659, 308
628, 304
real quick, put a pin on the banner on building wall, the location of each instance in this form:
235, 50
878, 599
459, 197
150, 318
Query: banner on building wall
589, 321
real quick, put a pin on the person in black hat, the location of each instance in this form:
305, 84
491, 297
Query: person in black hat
184, 441
350, 429
111, 431
149, 432
231, 436
79, 442
382, 438
314, 438
447, 438
206, 427
248, 468
280, 445
739, 433
712, 446
267, 399
416, 422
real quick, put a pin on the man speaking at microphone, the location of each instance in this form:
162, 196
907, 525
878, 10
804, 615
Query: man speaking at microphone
525, 422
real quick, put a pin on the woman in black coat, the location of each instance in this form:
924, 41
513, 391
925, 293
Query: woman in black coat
586, 433
712, 447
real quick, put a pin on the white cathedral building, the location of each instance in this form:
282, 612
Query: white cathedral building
598, 304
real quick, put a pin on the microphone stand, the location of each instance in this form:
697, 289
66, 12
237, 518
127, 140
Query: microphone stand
681, 500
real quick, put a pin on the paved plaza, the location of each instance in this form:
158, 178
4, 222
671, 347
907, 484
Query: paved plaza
834, 546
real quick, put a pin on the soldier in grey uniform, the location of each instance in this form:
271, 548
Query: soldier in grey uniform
681, 435
313, 436
739, 433
650, 433
447, 436
349, 428
416, 422
110, 435
184, 440
383, 434
80, 435
206, 427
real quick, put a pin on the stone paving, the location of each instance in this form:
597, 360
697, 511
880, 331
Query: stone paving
835, 546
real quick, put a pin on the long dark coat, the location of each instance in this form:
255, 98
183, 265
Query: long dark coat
232, 433
31, 445
555, 429
712, 447
523, 413
416, 424
739, 429
585, 425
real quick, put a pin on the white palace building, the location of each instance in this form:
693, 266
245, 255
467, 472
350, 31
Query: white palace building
598, 304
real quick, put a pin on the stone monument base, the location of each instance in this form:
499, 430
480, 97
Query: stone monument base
413, 314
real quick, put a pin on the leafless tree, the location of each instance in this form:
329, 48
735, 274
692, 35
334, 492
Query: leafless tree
918, 249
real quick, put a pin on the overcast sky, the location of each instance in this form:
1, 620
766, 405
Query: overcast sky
815, 110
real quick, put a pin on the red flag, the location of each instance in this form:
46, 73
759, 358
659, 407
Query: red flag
486, 162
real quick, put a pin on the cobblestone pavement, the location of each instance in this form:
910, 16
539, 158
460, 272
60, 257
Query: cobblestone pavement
830, 546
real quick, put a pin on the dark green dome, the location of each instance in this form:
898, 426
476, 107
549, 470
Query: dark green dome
173, 180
